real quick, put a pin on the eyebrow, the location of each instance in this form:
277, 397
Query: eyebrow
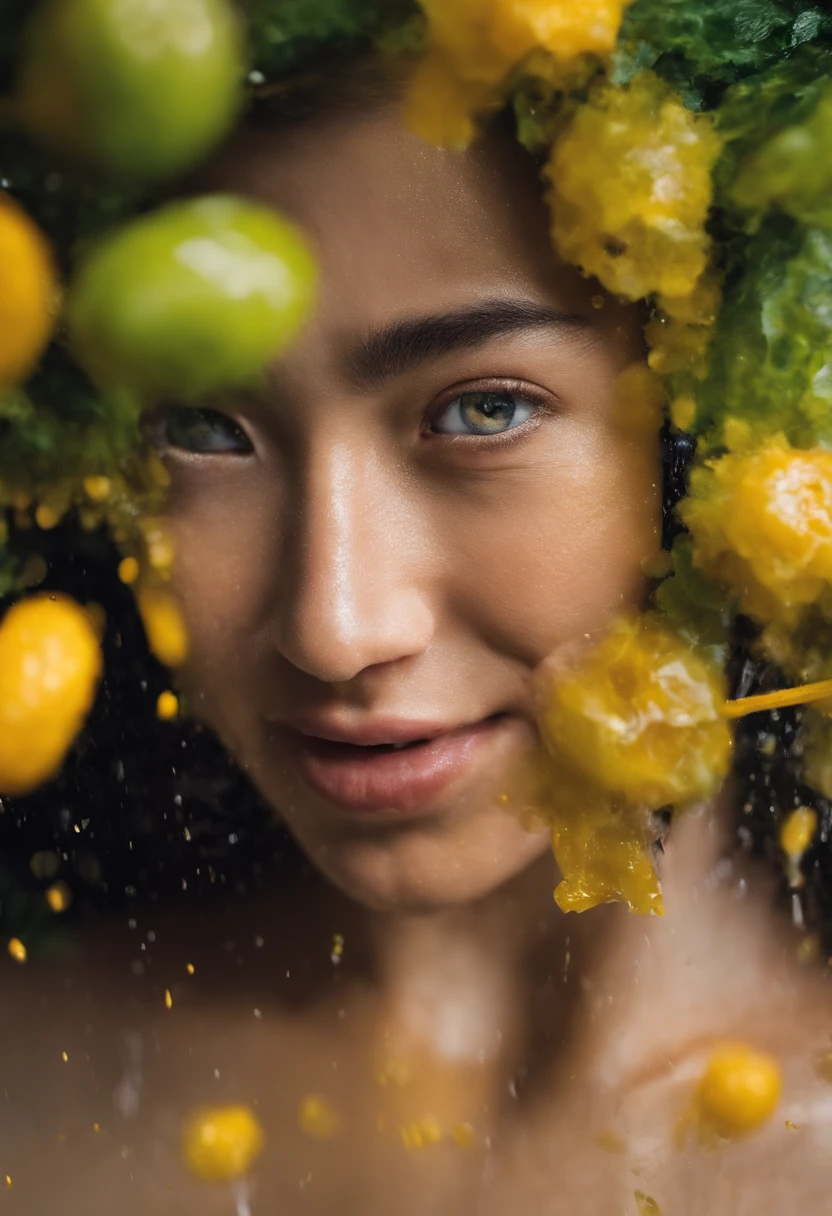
400, 346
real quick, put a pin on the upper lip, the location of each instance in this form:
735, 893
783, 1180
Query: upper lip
372, 733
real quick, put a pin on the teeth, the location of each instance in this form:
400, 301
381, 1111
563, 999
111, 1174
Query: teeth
398, 746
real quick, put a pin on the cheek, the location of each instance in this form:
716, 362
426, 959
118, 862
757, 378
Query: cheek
226, 554
567, 548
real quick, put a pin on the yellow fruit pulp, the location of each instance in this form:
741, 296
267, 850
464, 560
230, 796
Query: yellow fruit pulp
631, 188
50, 663
475, 44
640, 716
761, 521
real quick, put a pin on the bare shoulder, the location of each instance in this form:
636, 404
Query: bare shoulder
782, 1167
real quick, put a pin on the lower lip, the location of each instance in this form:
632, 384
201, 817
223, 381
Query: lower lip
360, 779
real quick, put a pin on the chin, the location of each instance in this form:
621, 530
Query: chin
417, 871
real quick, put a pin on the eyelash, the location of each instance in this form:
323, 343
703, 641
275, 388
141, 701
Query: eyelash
546, 405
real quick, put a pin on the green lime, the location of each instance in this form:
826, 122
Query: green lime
143, 88
192, 298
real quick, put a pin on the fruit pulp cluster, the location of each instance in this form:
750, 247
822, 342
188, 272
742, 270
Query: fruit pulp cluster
682, 149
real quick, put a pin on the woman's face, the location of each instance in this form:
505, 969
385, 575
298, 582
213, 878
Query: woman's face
430, 496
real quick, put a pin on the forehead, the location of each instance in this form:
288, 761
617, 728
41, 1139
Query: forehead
399, 226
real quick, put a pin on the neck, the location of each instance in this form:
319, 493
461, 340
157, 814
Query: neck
512, 985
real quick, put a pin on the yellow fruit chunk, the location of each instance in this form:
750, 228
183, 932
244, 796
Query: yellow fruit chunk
28, 293
164, 625
634, 726
739, 1090
639, 716
318, 1118
475, 44
50, 663
222, 1143
761, 522
17, 950
631, 188
167, 706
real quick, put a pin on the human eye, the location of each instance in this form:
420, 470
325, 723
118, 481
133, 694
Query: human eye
200, 430
484, 412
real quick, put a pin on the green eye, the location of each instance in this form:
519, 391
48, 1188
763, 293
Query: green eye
203, 430
483, 414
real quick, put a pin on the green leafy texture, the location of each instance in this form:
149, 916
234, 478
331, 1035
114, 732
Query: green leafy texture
287, 34
702, 46
59, 427
698, 610
771, 358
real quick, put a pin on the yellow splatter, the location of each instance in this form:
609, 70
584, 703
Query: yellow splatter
97, 488
58, 896
421, 1133
167, 706
17, 950
222, 1143
318, 1118
164, 625
128, 570
463, 1135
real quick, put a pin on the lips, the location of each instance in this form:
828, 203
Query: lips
403, 774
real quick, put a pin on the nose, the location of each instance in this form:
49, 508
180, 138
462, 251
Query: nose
352, 595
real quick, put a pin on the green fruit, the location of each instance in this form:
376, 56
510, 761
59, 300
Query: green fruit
142, 88
193, 298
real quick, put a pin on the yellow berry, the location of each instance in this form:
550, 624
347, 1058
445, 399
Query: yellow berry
797, 831
128, 570
17, 950
29, 293
50, 663
739, 1090
167, 706
318, 1118
222, 1143
164, 626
